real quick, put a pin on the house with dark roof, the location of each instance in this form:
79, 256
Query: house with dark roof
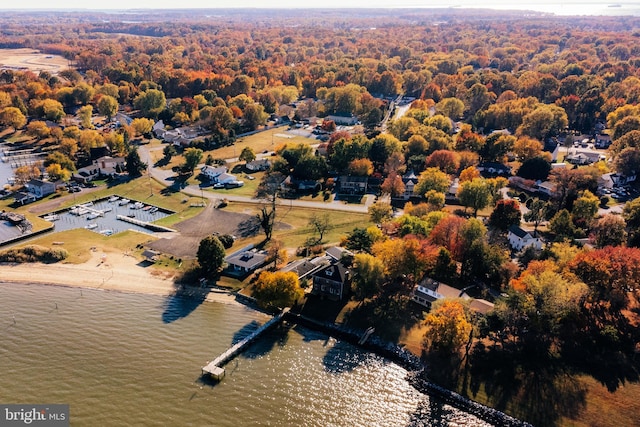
245, 261
336, 253
40, 188
493, 169
303, 268
332, 281
520, 239
409, 180
352, 185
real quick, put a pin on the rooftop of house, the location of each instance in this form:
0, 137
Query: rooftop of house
247, 259
336, 252
335, 272
514, 229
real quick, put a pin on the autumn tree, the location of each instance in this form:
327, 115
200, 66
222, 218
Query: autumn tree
527, 148
142, 126
380, 212
611, 273
505, 214
107, 106
150, 102
360, 167
448, 326
451, 107
12, 117
84, 114
538, 304
38, 129
368, 276
432, 179
631, 214
401, 257
562, 225
247, 155
277, 290
474, 194
610, 231
585, 208
393, 185
469, 174
446, 160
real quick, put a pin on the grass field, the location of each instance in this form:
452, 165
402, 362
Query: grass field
80, 241
296, 228
260, 142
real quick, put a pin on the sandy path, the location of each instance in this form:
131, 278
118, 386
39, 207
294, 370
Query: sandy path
110, 271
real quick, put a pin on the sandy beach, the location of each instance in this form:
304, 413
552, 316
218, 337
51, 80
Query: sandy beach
105, 270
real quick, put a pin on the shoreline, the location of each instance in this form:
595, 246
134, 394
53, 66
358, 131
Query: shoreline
102, 271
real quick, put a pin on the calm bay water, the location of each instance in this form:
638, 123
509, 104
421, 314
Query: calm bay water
127, 359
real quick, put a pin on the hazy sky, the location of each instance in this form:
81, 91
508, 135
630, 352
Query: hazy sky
563, 7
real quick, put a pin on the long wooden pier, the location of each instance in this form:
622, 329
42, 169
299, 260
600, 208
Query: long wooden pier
215, 368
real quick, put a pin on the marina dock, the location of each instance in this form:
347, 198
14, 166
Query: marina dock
215, 368
145, 224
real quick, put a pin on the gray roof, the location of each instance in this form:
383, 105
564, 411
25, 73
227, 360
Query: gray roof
514, 229
335, 272
248, 259
337, 252
302, 267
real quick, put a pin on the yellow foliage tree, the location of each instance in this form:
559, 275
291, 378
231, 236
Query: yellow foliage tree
448, 326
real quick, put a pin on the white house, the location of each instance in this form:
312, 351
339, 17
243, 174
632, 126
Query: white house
258, 165
40, 188
212, 172
158, 129
520, 239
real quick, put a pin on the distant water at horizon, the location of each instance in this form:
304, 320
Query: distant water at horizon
131, 359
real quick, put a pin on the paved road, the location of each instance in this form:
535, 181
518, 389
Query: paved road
166, 177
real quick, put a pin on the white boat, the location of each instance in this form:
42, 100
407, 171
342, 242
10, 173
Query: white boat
52, 217
106, 232
153, 210
78, 211
92, 216
113, 199
124, 202
107, 210
137, 205
91, 226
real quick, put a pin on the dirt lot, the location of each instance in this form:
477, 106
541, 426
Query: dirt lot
30, 59
195, 229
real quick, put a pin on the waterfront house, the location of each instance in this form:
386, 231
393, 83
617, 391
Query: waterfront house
245, 261
40, 188
332, 281
428, 291
520, 239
